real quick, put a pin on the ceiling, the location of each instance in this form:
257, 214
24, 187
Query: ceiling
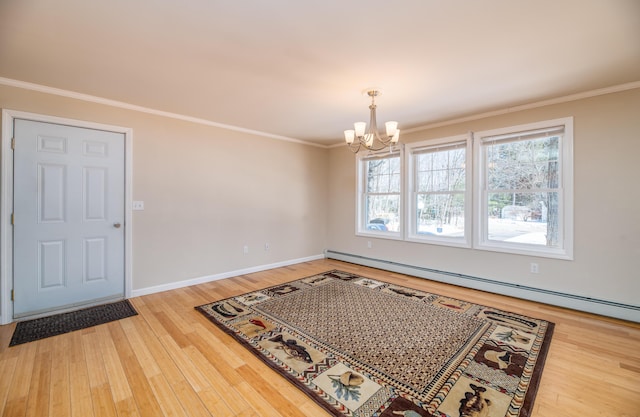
297, 69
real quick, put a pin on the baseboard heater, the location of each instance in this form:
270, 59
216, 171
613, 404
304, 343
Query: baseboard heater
575, 302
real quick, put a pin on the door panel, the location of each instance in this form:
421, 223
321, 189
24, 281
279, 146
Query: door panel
51, 264
94, 181
94, 259
68, 199
52, 181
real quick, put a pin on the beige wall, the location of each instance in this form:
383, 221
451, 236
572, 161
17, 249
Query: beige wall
207, 192
606, 261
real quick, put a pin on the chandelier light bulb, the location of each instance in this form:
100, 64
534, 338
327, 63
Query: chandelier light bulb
392, 128
349, 136
360, 128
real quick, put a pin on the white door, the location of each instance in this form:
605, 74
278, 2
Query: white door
68, 234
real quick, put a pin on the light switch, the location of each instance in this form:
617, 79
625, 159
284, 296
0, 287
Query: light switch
138, 205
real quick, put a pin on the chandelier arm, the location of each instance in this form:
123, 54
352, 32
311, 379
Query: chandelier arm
381, 139
355, 149
370, 138
375, 148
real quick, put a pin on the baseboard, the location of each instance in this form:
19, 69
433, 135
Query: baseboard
186, 283
575, 302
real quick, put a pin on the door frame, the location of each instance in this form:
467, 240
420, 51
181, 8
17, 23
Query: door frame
6, 200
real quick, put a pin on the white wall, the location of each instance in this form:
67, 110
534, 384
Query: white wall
207, 192
606, 264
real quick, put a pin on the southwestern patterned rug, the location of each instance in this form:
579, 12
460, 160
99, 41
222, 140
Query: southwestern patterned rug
366, 348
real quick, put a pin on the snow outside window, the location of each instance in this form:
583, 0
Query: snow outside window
379, 195
439, 191
524, 199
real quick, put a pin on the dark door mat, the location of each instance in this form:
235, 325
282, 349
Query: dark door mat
36, 329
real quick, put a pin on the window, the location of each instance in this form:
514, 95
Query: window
524, 189
506, 190
439, 206
379, 196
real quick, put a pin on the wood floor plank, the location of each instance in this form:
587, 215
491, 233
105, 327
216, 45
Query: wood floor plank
39, 393
174, 331
16, 404
257, 402
120, 389
16, 407
103, 403
189, 400
219, 342
215, 404
127, 408
60, 397
171, 361
168, 369
266, 390
150, 318
199, 295
167, 400
189, 370
95, 365
7, 368
225, 363
630, 367
172, 391
140, 349
79, 384
101, 396
223, 389
311, 409
141, 390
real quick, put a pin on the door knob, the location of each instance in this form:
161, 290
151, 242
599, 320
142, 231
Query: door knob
116, 225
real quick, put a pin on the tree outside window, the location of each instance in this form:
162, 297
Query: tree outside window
381, 197
440, 188
524, 189
520, 200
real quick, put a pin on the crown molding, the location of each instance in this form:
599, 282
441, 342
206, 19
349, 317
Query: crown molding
543, 103
128, 106
114, 103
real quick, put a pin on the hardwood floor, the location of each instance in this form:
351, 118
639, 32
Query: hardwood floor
171, 361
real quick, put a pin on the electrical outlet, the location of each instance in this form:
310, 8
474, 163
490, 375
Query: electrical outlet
369, 244
246, 249
266, 246
138, 205
534, 268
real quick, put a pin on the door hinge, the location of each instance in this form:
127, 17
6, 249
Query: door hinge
11, 219
13, 143
12, 298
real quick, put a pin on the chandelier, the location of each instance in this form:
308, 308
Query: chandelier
370, 139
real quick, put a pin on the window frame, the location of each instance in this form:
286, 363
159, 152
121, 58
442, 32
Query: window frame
565, 193
361, 194
411, 193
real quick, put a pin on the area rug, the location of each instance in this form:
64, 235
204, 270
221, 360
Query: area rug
367, 348
28, 331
